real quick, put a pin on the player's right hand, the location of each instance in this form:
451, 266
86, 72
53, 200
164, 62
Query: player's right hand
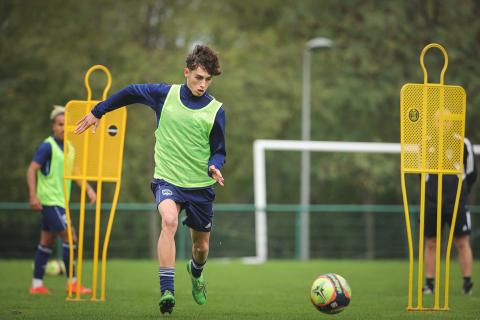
86, 122
35, 203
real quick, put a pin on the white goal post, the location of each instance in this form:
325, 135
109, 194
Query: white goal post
260, 184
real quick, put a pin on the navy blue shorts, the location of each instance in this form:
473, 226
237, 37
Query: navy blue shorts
53, 219
198, 203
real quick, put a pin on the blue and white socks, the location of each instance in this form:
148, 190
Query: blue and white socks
41, 257
197, 268
66, 259
167, 276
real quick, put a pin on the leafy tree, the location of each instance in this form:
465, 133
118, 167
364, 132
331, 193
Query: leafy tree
47, 46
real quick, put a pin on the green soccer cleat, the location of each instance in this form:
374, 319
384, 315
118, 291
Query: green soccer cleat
167, 302
199, 287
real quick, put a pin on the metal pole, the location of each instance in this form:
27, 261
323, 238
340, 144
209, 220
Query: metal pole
312, 44
260, 202
305, 165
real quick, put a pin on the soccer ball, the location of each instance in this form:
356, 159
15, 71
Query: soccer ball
330, 293
55, 268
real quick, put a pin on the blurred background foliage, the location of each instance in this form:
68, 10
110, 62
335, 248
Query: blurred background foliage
47, 46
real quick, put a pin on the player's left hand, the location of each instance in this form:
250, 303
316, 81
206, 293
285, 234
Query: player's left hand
92, 195
217, 175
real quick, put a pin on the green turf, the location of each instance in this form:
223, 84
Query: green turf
275, 290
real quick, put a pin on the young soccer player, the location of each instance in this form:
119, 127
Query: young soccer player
189, 153
463, 224
45, 186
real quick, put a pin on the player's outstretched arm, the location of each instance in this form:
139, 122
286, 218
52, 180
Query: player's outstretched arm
217, 175
86, 122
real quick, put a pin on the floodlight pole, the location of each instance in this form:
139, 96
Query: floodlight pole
316, 43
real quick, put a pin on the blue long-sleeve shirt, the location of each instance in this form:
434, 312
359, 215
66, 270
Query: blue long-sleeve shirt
43, 155
154, 95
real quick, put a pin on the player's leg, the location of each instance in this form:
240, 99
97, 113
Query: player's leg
200, 248
169, 211
462, 243
430, 245
66, 260
199, 211
465, 258
66, 249
56, 222
42, 253
169, 204
429, 262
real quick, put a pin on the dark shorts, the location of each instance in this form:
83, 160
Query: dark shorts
53, 219
198, 203
463, 225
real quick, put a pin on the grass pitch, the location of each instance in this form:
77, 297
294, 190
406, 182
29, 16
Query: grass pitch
275, 290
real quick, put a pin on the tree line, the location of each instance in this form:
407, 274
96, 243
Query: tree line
47, 46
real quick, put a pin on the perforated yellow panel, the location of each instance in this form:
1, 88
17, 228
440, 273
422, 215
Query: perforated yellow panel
432, 128
88, 163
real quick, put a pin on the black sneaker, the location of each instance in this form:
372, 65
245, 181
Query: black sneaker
468, 288
428, 290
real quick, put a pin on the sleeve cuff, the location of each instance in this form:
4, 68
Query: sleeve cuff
96, 114
214, 163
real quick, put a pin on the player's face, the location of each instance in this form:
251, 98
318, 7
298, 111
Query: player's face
57, 127
198, 80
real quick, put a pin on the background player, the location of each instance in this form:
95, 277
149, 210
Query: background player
45, 186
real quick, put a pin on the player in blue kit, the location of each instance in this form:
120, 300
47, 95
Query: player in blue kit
189, 154
45, 186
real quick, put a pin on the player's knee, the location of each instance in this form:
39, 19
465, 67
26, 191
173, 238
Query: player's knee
462, 243
431, 243
169, 223
47, 242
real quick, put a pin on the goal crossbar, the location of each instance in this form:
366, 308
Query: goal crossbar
259, 170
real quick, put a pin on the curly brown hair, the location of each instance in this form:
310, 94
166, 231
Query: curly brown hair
203, 56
